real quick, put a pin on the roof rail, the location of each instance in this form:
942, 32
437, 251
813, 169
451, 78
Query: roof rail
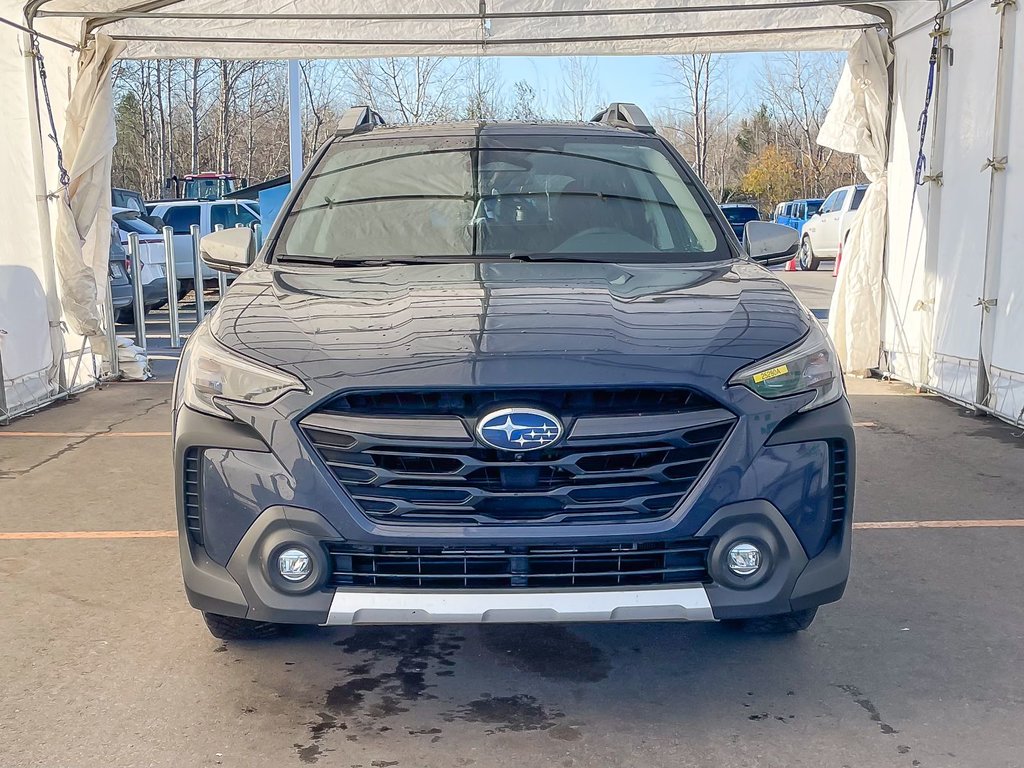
358, 120
625, 115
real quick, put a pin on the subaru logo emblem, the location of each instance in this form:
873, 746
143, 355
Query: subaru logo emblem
519, 429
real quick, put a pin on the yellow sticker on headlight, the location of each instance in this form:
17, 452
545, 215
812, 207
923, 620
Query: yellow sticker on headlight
771, 373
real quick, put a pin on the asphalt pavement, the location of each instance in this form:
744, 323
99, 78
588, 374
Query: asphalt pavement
106, 665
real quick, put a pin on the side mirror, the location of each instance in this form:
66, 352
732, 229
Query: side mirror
229, 250
770, 243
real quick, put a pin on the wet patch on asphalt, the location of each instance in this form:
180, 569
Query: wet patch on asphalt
385, 684
506, 713
550, 651
865, 703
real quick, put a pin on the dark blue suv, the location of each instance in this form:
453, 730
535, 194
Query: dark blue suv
498, 372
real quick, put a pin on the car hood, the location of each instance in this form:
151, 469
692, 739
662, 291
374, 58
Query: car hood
511, 324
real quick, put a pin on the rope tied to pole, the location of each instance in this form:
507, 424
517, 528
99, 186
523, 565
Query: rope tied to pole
922, 122
63, 175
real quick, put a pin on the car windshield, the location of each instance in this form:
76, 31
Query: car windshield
552, 197
741, 214
130, 222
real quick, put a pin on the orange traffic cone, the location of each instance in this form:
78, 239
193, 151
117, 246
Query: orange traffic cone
839, 258
791, 265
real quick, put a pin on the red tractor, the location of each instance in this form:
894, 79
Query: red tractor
205, 186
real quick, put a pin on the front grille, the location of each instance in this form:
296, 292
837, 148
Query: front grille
840, 495
564, 402
193, 511
540, 567
640, 472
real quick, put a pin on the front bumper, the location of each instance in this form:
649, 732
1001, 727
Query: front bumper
791, 582
262, 502
535, 607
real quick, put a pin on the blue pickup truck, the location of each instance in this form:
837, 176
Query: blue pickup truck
795, 213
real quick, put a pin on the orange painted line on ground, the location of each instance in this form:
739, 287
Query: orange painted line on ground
30, 535
85, 434
1013, 523
882, 525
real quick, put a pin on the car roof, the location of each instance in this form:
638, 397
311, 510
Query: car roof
177, 203
495, 127
738, 205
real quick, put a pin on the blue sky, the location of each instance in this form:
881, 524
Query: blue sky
640, 79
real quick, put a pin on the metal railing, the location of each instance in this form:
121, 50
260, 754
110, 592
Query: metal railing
138, 294
197, 265
172, 287
136, 266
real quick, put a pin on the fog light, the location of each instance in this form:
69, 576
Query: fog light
744, 559
295, 564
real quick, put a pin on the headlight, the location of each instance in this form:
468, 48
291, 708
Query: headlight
810, 366
211, 373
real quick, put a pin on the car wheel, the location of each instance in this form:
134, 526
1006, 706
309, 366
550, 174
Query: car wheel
781, 624
125, 316
806, 258
231, 628
184, 288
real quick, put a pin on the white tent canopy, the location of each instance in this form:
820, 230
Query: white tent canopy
916, 273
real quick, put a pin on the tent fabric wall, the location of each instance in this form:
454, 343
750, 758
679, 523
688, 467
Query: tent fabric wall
856, 124
83, 215
936, 266
934, 261
364, 28
29, 357
1006, 356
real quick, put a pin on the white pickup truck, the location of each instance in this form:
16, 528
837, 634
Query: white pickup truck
180, 215
826, 229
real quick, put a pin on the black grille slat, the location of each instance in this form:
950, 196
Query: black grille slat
192, 497
443, 568
469, 403
840, 484
421, 479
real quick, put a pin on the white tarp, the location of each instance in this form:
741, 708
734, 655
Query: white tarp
934, 251
856, 123
82, 241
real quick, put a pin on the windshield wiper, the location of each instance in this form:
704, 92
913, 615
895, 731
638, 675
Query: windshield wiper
343, 261
566, 257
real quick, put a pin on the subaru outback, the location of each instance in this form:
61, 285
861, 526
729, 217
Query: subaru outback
509, 372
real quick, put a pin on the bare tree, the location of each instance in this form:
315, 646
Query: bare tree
524, 102
483, 98
579, 93
699, 77
798, 87
407, 90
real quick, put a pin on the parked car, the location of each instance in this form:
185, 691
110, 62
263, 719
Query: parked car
121, 296
180, 215
795, 213
153, 257
548, 385
826, 229
738, 214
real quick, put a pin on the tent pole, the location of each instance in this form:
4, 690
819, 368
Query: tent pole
996, 166
933, 211
53, 307
294, 121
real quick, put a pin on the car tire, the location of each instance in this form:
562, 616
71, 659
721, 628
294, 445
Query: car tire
125, 316
806, 258
232, 628
780, 624
184, 288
